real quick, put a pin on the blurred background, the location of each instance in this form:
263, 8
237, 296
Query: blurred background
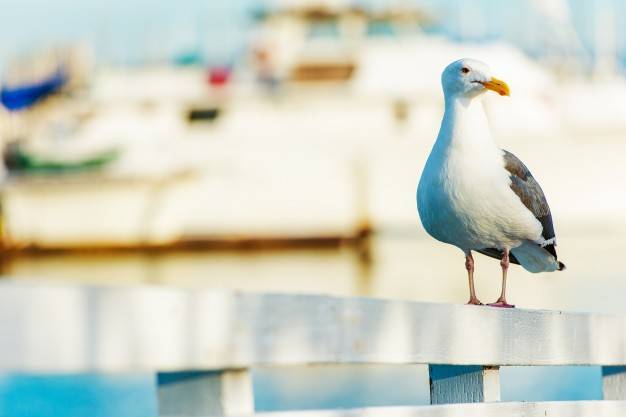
276, 146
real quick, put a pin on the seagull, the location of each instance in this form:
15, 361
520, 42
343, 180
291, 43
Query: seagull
476, 196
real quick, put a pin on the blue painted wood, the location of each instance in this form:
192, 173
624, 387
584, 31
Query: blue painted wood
614, 382
66, 395
190, 393
613, 370
439, 372
451, 384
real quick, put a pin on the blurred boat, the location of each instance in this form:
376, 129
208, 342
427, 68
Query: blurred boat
94, 203
21, 162
30, 79
22, 96
106, 178
309, 41
92, 211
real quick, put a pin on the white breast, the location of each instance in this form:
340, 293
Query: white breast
464, 196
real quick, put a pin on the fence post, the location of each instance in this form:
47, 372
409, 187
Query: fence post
450, 384
614, 382
202, 393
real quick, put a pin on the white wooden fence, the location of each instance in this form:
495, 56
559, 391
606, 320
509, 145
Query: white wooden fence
202, 345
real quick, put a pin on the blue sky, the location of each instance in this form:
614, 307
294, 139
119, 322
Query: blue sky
137, 31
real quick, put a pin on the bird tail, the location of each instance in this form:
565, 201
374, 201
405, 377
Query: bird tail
536, 259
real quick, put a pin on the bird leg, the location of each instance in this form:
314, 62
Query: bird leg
469, 265
504, 263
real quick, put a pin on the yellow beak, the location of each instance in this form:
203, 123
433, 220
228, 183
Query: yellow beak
498, 86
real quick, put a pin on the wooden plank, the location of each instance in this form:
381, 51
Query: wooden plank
614, 382
543, 409
134, 328
220, 393
451, 384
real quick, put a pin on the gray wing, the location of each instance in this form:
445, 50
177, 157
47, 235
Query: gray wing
530, 193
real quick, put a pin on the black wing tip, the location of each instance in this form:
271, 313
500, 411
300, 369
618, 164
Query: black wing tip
497, 254
561, 266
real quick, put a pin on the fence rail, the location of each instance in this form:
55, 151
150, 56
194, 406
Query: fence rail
517, 409
202, 344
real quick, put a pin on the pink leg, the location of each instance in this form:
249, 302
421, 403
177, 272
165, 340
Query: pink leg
504, 263
469, 265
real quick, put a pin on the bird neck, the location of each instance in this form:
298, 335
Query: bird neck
464, 124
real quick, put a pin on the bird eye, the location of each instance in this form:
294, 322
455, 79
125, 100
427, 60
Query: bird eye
465, 70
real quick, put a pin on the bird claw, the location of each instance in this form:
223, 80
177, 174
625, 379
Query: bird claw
474, 302
501, 304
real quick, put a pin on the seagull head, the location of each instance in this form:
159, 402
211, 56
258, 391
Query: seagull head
470, 78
